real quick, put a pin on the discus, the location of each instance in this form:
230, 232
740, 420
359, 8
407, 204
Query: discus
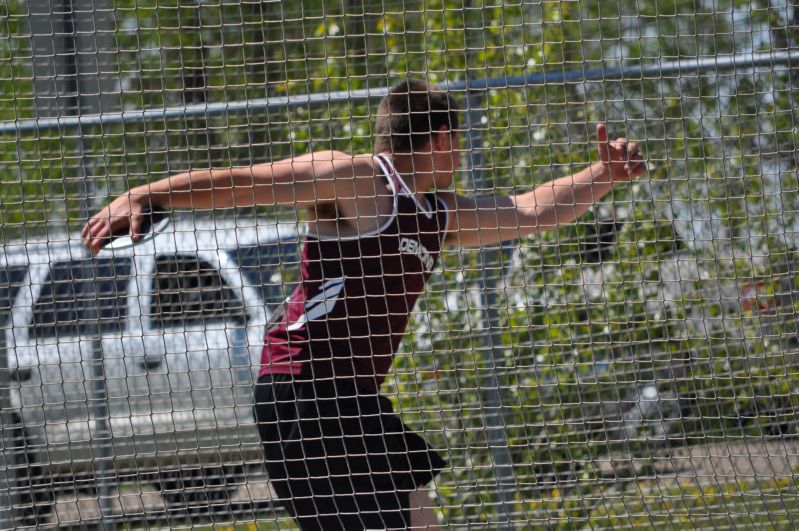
153, 223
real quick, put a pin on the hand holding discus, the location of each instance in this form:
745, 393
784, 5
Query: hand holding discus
125, 222
620, 157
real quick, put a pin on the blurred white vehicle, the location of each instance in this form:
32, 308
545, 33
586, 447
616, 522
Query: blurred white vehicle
137, 364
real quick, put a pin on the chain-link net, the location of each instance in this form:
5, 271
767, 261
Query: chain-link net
639, 366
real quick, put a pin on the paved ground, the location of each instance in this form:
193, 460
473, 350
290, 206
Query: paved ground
734, 461
721, 463
136, 504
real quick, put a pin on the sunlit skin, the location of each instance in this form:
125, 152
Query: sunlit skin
345, 194
433, 166
351, 183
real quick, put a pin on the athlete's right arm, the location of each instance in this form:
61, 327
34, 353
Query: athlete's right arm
299, 182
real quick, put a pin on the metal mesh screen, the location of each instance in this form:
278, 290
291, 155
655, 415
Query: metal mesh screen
636, 367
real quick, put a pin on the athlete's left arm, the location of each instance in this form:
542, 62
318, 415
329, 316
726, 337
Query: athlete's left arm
476, 222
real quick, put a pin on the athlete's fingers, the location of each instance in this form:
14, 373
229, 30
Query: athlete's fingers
602, 143
96, 237
632, 149
637, 165
135, 227
620, 145
601, 134
634, 154
91, 229
100, 228
620, 153
94, 220
85, 230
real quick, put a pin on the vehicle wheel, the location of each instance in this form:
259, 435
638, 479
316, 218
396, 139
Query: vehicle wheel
30, 487
199, 493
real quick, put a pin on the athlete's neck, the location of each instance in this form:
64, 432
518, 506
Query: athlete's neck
416, 171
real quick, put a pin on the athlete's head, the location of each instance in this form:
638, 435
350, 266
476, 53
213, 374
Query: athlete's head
416, 118
410, 113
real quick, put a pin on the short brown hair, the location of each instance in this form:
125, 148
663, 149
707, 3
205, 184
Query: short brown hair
410, 113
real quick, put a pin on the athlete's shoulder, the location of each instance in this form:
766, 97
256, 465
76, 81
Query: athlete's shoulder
345, 165
339, 159
364, 161
342, 169
448, 199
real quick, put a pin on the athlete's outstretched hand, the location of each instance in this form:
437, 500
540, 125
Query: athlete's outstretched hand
621, 157
122, 216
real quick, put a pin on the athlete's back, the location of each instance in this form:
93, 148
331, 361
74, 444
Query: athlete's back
349, 312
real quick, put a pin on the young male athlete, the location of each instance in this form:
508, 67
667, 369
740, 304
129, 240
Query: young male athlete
337, 455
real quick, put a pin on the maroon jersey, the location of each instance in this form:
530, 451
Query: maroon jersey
351, 308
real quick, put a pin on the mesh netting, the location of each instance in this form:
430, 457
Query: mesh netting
637, 367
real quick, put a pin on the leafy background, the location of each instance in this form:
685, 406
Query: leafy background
663, 320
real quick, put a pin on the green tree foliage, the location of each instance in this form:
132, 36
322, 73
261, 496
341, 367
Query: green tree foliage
663, 318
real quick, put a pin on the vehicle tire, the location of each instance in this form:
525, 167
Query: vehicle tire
199, 493
30, 487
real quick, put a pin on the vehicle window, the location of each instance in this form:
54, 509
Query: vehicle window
260, 263
83, 297
10, 281
188, 290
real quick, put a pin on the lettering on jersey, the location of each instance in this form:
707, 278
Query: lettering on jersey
321, 304
411, 246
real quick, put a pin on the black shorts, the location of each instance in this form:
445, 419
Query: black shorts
337, 455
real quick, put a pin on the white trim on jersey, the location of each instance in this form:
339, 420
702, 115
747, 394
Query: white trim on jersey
428, 212
321, 304
380, 229
446, 214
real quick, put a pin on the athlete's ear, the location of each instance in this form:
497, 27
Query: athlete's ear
441, 139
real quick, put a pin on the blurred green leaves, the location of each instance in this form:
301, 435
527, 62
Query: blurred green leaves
679, 331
